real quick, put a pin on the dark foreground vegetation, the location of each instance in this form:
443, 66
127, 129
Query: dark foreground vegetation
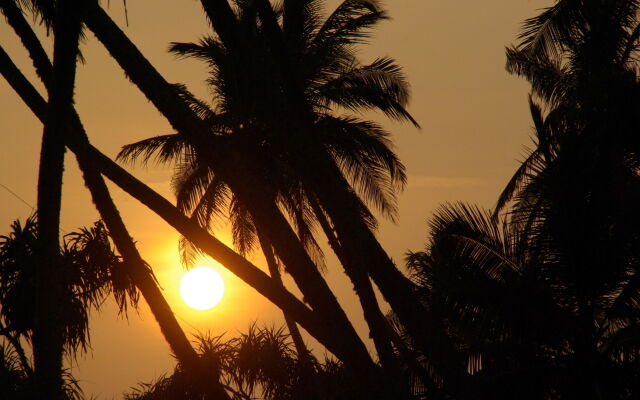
536, 299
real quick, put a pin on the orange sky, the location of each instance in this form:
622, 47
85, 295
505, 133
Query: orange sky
474, 118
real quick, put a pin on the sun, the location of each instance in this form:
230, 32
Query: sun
201, 288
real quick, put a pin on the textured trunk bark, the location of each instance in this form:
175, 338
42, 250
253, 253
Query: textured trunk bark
230, 166
48, 332
19, 24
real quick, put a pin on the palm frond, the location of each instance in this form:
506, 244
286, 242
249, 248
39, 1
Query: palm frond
349, 23
242, 227
549, 79
300, 22
379, 85
362, 149
295, 203
548, 33
479, 236
165, 148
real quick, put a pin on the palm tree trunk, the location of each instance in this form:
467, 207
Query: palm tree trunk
359, 244
143, 278
384, 332
48, 332
378, 325
30, 41
138, 269
305, 273
230, 166
242, 268
301, 348
361, 247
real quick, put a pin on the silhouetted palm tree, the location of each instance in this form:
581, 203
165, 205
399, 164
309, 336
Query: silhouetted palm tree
79, 144
241, 174
88, 271
48, 335
135, 267
512, 315
242, 77
581, 60
168, 102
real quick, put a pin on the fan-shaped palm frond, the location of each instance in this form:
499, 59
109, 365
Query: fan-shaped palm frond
90, 272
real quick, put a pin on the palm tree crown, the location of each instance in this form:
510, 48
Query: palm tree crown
249, 105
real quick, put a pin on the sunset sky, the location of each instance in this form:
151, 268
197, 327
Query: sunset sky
474, 119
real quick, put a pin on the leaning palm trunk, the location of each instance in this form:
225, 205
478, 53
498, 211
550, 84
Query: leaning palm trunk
378, 326
361, 248
362, 253
385, 334
48, 336
230, 164
143, 279
298, 263
274, 271
137, 268
308, 319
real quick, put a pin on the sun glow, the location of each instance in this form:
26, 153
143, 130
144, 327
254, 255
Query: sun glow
202, 288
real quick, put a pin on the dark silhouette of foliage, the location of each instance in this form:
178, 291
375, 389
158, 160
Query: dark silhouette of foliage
89, 271
258, 364
535, 304
329, 75
513, 320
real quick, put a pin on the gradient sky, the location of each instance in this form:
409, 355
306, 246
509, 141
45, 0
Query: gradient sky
475, 125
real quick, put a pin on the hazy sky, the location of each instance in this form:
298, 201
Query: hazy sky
475, 124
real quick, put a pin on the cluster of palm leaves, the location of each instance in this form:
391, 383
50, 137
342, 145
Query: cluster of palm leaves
298, 154
247, 115
259, 364
541, 298
89, 271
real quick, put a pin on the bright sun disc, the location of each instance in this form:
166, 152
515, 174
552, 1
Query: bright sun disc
201, 288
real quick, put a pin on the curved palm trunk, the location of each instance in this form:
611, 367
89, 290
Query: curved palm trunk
48, 332
241, 176
360, 247
378, 325
301, 348
385, 333
242, 268
204, 379
140, 273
